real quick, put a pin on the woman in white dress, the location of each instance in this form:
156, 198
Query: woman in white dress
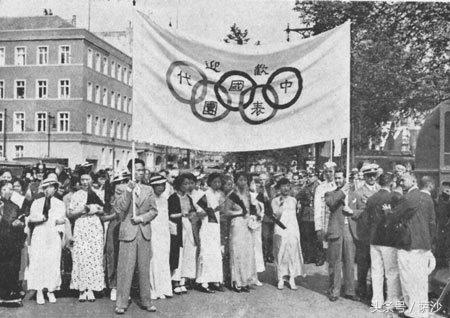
287, 248
210, 257
87, 254
48, 216
255, 225
160, 278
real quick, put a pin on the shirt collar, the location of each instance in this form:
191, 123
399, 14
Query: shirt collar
412, 188
426, 191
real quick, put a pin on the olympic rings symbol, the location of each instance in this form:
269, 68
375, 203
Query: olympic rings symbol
240, 95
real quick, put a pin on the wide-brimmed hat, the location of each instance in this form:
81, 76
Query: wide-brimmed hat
121, 175
157, 180
371, 168
50, 180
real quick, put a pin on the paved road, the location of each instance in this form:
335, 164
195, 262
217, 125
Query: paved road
266, 301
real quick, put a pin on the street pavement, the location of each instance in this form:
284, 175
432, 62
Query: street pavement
266, 301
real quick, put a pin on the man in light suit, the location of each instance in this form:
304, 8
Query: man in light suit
135, 238
340, 236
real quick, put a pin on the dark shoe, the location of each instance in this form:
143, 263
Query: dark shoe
217, 287
320, 262
237, 289
151, 308
245, 289
333, 298
205, 290
119, 311
352, 297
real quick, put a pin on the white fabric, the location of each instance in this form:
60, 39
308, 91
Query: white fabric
160, 278
165, 115
413, 267
17, 198
384, 264
210, 256
45, 249
321, 210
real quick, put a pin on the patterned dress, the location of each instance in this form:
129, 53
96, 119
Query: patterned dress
87, 253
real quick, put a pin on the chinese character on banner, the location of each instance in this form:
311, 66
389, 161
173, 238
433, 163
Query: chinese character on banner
400, 306
213, 65
260, 69
435, 306
236, 86
285, 85
257, 108
210, 108
185, 77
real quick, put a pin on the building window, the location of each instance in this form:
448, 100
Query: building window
64, 54
89, 124
97, 94
105, 97
119, 102
105, 65
89, 91
42, 55
130, 106
130, 78
113, 69
41, 122
19, 90
104, 128
2, 59
118, 131
98, 62
97, 126
41, 89
125, 75
1, 122
21, 56
90, 56
111, 129
19, 122
64, 89
124, 132
113, 100
119, 72
124, 104
1, 151
19, 151
63, 121
128, 132
2, 89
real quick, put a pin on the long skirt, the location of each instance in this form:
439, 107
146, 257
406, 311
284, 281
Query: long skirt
87, 255
242, 261
44, 270
288, 256
210, 256
160, 279
257, 244
187, 261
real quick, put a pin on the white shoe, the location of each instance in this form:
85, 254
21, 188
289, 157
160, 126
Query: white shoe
113, 295
281, 284
90, 296
82, 297
292, 284
51, 297
40, 297
162, 297
183, 289
258, 283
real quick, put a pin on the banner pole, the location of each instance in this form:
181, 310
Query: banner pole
133, 177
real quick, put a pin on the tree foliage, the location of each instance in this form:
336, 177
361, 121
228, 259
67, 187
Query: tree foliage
237, 35
399, 57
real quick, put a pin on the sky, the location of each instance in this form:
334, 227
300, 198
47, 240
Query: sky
203, 19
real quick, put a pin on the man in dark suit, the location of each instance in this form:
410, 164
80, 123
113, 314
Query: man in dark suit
383, 253
416, 211
341, 240
134, 236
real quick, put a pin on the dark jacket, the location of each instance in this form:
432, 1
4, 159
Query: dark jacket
306, 198
376, 220
416, 209
335, 202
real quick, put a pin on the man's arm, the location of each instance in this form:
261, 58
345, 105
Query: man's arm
150, 206
123, 202
334, 198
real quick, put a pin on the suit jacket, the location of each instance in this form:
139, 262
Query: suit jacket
145, 207
335, 202
376, 219
357, 202
416, 209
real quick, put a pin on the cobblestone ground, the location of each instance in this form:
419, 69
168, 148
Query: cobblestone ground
266, 301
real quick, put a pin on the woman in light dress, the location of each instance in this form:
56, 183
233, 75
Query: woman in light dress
87, 273
48, 216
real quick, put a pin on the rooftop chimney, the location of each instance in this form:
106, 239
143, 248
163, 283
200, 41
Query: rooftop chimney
74, 20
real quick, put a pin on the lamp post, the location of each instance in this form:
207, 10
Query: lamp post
50, 119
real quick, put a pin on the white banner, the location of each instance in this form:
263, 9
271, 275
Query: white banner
225, 97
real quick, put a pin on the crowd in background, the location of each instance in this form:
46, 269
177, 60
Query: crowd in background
191, 230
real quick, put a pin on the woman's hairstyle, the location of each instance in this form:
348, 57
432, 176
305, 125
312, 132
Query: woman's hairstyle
242, 174
282, 182
180, 179
213, 176
22, 183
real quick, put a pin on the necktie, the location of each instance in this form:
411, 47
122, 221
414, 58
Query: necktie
46, 207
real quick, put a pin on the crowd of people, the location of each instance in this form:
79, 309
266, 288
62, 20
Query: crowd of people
170, 232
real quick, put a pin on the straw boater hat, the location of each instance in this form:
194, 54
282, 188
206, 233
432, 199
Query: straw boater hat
157, 180
370, 168
121, 175
51, 180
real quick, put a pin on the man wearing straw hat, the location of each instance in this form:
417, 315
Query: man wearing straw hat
136, 208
